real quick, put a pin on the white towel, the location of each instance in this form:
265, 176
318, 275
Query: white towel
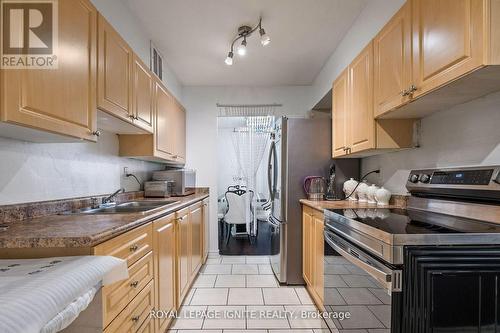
34, 291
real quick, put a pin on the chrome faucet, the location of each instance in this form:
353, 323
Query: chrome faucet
111, 198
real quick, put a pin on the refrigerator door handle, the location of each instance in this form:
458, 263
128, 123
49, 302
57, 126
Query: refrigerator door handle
270, 171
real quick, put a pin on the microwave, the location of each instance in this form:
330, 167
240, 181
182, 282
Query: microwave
184, 180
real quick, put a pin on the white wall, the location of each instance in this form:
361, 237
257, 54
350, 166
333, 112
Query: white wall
200, 103
119, 15
37, 172
467, 134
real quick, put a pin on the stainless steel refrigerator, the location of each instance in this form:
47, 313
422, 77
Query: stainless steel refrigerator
300, 148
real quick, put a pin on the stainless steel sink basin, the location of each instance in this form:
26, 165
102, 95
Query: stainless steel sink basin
129, 207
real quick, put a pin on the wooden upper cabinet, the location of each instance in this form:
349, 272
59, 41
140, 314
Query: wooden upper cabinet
142, 97
361, 126
116, 58
180, 133
62, 100
165, 113
339, 114
448, 41
392, 62
164, 240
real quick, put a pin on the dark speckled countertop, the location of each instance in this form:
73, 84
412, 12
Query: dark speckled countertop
56, 231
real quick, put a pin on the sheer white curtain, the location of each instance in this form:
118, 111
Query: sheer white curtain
250, 143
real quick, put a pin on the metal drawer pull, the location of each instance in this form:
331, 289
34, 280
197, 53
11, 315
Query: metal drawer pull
135, 319
134, 284
134, 248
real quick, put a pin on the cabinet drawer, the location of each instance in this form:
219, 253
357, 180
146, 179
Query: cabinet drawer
148, 326
136, 314
119, 294
130, 246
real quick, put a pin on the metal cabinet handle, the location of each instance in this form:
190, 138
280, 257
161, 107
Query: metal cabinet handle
412, 89
96, 133
181, 218
405, 93
134, 284
131, 116
134, 248
135, 319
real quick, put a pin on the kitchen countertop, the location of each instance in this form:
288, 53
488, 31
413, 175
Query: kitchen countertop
73, 231
396, 202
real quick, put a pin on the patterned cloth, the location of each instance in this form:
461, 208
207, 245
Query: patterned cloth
35, 292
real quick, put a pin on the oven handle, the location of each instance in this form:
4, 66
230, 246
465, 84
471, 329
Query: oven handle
391, 279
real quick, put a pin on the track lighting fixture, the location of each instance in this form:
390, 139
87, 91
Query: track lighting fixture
244, 32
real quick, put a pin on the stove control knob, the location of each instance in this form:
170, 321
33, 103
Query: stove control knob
413, 178
424, 178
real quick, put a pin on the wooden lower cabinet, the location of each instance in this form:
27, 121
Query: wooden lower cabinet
135, 314
189, 247
183, 253
196, 220
130, 246
117, 295
164, 268
313, 253
206, 225
163, 259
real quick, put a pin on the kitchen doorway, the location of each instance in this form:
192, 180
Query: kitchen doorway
243, 195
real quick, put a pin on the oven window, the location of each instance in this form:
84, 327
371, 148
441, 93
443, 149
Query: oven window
354, 300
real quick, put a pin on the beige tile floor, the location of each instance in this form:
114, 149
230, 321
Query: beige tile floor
239, 294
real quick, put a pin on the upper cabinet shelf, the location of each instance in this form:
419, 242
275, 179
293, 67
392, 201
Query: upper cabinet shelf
435, 54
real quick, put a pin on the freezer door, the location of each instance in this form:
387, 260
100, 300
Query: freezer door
279, 246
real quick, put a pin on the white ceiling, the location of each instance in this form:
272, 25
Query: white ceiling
194, 36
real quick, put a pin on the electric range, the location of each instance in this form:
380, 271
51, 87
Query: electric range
402, 270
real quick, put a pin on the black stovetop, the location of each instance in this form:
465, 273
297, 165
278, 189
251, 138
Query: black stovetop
414, 222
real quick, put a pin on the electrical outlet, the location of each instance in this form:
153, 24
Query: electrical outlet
125, 171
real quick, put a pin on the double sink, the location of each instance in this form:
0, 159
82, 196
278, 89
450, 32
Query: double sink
129, 207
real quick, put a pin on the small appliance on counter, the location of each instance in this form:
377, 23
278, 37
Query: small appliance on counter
184, 180
315, 187
158, 188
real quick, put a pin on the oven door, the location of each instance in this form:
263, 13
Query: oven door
358, 284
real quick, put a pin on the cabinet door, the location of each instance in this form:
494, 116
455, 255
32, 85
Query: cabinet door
164, 107
206, 225
61, 100
318, 256
306, 246
180, 132
142, 96
361, 124
114, 84
339, 114
164, 267
392, 62
196, 221
183, 254
448, 37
